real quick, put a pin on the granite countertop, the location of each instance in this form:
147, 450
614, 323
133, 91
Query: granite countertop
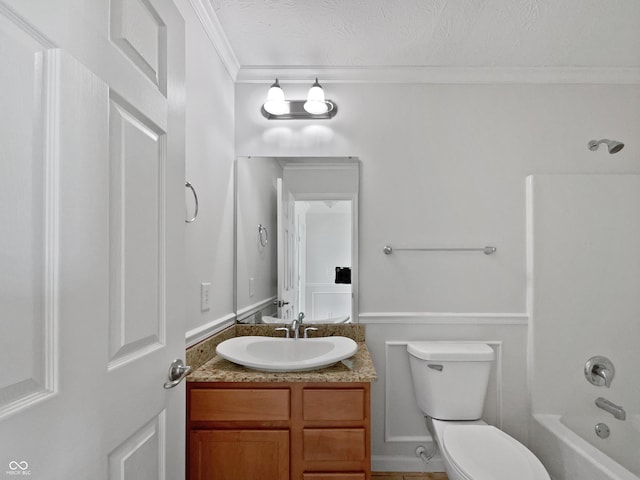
208, 367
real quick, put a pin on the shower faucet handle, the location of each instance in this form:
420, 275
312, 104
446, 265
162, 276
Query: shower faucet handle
599, 371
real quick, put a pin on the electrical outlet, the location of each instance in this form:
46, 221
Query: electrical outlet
205, 296
252, 287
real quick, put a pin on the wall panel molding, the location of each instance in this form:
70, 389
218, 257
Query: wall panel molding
394, 436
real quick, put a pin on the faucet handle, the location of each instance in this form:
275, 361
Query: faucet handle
309, 329
283, 329
599, 371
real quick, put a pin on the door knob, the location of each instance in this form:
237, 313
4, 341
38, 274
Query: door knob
177, 371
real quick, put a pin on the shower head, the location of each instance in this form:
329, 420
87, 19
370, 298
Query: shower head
612, 145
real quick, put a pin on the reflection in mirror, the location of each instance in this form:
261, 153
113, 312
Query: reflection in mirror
296, 239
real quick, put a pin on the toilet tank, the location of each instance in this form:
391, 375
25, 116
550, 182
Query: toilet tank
450, 379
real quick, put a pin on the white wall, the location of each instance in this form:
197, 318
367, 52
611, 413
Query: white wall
256, 204
445, 165
328, 242
209, 167
328, 245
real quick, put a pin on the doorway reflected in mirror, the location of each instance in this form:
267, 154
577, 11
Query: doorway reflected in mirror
310, 208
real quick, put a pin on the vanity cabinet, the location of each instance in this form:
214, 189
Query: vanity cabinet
278, 431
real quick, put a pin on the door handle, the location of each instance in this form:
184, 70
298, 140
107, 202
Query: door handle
195, 197
280, 303
177, 371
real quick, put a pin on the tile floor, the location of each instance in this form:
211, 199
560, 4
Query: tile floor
407, 476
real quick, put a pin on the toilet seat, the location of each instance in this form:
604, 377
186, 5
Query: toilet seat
483, 452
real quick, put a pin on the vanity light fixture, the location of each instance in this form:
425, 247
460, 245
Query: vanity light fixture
315, 107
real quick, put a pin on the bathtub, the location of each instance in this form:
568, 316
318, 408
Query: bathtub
570, 450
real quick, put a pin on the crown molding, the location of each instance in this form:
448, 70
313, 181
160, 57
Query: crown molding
209, 20
442, 75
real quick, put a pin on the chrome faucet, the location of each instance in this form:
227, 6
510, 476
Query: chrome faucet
604, 373
295, 325
599, 371
615, 410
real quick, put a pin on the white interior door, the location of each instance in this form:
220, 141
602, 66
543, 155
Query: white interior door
287, 271
91, 254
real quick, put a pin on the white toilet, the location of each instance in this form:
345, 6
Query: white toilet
450, 382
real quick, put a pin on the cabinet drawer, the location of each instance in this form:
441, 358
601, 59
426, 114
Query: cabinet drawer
334, 444
239, 404
334, 476
336, 404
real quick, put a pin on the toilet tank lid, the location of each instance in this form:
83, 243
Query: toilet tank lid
452, 352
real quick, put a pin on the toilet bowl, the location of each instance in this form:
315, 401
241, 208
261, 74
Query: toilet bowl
450, 382
477, 451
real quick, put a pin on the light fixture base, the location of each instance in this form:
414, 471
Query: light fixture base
296, 111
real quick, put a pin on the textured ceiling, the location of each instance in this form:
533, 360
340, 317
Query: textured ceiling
432, 33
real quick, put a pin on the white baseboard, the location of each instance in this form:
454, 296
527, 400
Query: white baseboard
397, 463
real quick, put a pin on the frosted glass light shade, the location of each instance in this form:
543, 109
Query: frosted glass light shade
275, 103
315, 103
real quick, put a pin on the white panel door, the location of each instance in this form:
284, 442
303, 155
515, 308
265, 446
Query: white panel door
91, 251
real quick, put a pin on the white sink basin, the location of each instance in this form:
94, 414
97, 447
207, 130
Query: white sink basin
286, 354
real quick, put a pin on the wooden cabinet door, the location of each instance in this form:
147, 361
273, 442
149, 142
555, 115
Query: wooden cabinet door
239, 454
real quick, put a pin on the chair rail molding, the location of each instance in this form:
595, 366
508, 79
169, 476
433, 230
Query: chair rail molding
200, 333
444, 318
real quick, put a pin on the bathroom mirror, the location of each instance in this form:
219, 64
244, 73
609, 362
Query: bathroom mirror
296, 239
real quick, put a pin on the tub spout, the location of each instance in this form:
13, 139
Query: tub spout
616, 410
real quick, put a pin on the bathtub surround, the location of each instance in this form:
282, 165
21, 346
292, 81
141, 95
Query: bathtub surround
584, 232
